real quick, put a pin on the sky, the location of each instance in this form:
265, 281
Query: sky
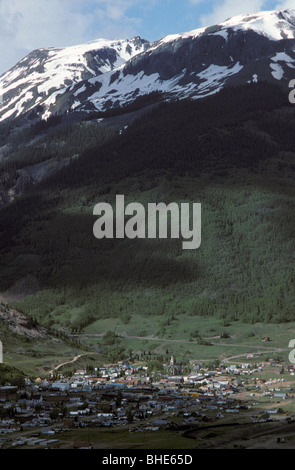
26, 25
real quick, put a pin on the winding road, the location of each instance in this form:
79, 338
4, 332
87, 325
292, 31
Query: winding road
261, 349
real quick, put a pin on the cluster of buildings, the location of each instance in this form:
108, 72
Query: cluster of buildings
125, 395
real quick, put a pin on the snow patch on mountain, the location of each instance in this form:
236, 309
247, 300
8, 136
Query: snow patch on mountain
44, 71
278, 71
125, 88
215, 74
273, 24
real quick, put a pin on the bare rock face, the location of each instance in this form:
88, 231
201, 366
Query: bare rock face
21, 324
23, 183
16, 321
32, 175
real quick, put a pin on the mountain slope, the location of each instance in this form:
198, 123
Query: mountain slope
233, 152
201, 62
37, 77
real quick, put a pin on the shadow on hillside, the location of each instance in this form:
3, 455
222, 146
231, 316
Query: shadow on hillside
70, 255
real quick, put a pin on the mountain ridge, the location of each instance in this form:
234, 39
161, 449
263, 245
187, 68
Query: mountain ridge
44, 71
107, 74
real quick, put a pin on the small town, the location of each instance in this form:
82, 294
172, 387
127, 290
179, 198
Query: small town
67, 411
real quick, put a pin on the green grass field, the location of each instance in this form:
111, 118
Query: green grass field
142, 334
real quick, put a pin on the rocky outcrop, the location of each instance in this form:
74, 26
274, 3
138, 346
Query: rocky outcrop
21, 324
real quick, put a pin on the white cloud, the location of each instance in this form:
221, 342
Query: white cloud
115, 9
29, 24
114, 18
282, 5
228, 8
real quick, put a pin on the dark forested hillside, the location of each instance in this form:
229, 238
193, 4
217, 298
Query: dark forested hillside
233, 152
224, 130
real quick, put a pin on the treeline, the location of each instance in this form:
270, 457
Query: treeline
25, 133
18, 131
211, 135
68, 141
11, 375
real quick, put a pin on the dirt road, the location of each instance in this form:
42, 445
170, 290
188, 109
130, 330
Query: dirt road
65, 363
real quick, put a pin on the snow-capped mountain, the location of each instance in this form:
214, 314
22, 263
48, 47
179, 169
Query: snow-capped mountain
36, 78
201, 62
242, 49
